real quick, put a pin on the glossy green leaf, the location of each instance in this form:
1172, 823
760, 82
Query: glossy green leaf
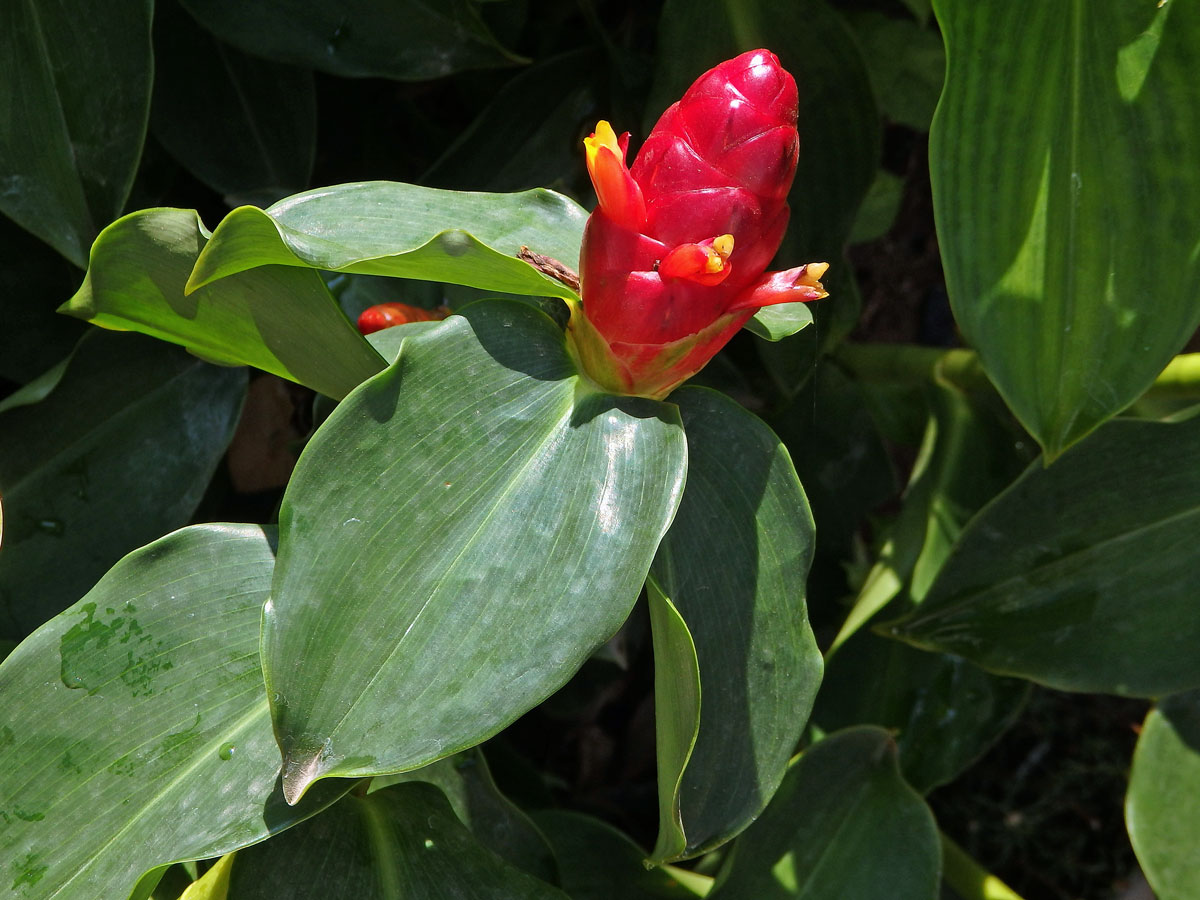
598, 862
734, 564
1161, 810
907, 63
119, 453
410, 40
1081, 576
402, 841
135, 729
1068, 202
839, 125
944, 711
77, 94
497, 823
279, 319
34, 281
843, 824
676, 715
402, 230
774, 323
244, 126
471, 517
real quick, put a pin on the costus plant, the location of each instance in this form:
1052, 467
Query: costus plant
662, 289
440, 534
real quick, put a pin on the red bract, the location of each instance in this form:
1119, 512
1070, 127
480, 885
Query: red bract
385, 315
674, 256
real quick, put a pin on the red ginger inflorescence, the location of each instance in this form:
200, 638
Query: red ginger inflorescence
674, 256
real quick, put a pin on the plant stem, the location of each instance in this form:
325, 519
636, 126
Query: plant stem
698, 884
910, 364
967, 878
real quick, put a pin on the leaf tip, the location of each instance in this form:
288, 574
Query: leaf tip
300, 770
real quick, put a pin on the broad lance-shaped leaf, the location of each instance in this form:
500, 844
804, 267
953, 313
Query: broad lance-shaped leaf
244, 126
410, 40
118, 452
385, 228
34, 278
457, 537
1160, 808
402, 841
844, 824
76, 98
278, 319
497, 823
598, 862
1068, 202
943, 711
1081, 576
135, 729
734, 564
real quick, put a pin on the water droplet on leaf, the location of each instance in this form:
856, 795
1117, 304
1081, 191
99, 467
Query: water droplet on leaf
51, 526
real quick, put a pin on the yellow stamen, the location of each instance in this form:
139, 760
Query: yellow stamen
812, 273
718, 254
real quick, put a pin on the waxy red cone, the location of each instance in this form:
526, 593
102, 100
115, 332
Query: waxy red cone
674, 256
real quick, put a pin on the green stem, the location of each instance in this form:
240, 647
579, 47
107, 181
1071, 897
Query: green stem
967, 878
910, 364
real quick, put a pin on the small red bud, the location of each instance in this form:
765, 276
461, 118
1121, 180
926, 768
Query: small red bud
385, 315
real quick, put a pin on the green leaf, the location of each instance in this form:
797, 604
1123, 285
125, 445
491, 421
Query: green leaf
838, 453
598, 862
281, 320
518, 143
409, 40
966, 458
34, 280
119, 453
734, 564
944, 711
1067, 202
135, 730
213, 884
920, 9
843, 824
907, 63
402, 230
244, 126
402, 841
77, 94
879, 208
1160, 809
497, 823
676, 715
1081, 576
471, 517
774, 323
